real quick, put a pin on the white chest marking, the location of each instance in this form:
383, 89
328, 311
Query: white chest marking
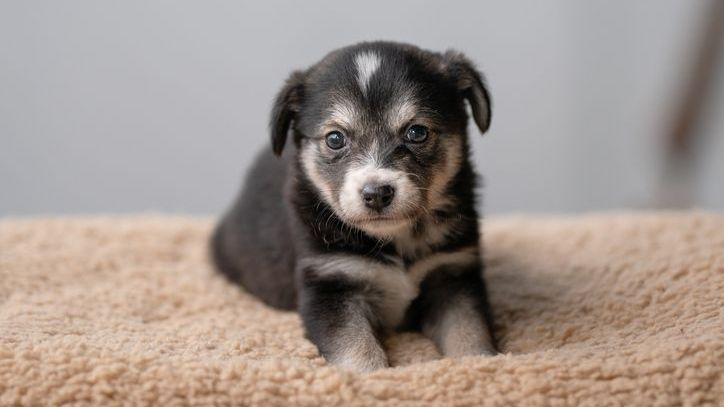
392, 289
397, 286
421, 268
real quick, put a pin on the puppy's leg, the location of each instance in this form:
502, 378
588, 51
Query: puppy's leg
338, 319
455, 312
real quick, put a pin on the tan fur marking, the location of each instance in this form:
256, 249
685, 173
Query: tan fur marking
310, 167
453, 158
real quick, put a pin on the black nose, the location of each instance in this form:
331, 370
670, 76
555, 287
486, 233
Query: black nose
377, 196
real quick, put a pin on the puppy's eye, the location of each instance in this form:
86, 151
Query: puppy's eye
416, 134
335, 140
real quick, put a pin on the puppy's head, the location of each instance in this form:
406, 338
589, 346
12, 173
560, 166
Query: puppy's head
381, 130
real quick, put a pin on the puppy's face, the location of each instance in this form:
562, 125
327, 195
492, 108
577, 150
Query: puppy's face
381, 130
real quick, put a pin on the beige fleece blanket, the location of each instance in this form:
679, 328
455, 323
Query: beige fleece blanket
607, 309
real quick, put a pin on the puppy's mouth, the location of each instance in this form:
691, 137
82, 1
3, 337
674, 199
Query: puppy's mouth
383, 221
378, 219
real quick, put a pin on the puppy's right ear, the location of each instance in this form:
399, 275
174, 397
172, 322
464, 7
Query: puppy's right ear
472, 85
285, 109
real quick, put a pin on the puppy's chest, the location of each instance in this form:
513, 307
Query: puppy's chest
398, 285
393, 291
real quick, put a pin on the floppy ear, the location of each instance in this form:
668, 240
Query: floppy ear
286, 106
472, 85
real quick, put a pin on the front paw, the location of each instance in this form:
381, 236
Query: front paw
360, 358
462, 332
465, 340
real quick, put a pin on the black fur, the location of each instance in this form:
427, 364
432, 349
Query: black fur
281, 217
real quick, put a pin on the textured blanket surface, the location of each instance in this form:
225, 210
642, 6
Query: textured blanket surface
592, 310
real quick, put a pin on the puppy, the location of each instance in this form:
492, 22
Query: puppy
369, 224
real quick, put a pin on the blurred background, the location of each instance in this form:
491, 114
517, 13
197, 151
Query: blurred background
137, 106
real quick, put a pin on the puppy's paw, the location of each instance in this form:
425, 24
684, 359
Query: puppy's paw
363, 358
462, 341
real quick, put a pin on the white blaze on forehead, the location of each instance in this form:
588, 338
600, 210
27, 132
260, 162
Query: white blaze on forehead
367, 64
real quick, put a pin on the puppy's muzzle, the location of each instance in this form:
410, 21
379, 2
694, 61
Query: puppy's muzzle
377, 197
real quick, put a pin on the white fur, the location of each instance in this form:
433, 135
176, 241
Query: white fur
367, 64
421, 268
343, 114
398, 285
356, 353
356, 347
402, 111
369, 171
462, 331
409, 244
398, 290
352, 204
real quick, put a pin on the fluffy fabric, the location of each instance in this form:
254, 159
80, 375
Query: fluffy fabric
610, 309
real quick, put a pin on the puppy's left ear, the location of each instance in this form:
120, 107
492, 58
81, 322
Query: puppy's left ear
472, 85
285, 110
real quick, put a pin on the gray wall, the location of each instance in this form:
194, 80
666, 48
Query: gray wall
112, 107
